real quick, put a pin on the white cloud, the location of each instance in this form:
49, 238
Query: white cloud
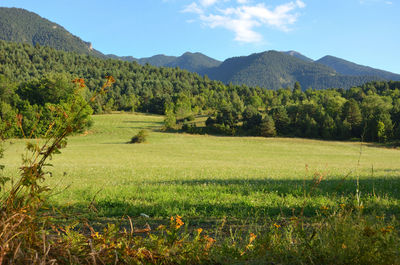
369, 2
243, 18
193, 8
208, 2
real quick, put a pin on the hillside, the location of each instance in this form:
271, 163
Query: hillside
20, 25
299, 55
348, 68
193, 62
274, 70
157, 60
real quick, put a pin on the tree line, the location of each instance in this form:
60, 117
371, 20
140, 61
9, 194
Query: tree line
370, 112
34, 78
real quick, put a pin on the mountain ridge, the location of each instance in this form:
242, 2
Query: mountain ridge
269, 69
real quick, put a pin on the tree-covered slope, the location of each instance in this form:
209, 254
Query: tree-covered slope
157, 60
194, 62
20, 25
348, 68
275, 70
299, 55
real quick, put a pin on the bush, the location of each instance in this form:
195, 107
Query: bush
140, 137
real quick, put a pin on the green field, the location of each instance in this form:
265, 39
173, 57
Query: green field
209, 177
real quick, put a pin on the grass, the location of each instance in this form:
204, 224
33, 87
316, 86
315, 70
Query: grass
207, 178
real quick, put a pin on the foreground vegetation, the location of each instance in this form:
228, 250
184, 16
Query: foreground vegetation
252, 200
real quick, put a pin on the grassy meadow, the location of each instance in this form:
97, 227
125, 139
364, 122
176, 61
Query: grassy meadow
205, 178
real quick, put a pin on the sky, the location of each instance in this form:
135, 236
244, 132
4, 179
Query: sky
362, 31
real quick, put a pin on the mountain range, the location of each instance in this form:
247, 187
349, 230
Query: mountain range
270, 69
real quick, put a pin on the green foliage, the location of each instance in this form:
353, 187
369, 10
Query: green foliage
370, 112
267, 127
170, 118
140, 137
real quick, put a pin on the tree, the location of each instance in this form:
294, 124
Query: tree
267, 127
352, 114
251, 118
282, 120
170, 119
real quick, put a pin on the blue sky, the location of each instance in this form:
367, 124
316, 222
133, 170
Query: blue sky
362, 31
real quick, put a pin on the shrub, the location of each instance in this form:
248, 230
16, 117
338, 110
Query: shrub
140, 137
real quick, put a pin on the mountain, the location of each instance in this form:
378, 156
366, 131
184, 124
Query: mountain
274, 70
268, 69
20, 25
193, 62
122, 58
348, 68
299, 55
157, 60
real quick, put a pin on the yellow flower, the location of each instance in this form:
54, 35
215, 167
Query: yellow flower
277, 226
387, 229
252, 237
179, 222
199, 230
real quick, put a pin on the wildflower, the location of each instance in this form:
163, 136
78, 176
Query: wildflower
342, 205
324, 208
199, 230
179, 222
277, 226
385, 230
252, 237
79, 81
96, 235
344, 246
210, 241
110, 79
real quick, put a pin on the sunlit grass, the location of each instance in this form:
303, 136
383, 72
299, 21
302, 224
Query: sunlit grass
210, 177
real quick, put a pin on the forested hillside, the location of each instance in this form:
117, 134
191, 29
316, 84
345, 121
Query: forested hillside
33, 77
275, 70
20, 25
348, 68
193, 62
